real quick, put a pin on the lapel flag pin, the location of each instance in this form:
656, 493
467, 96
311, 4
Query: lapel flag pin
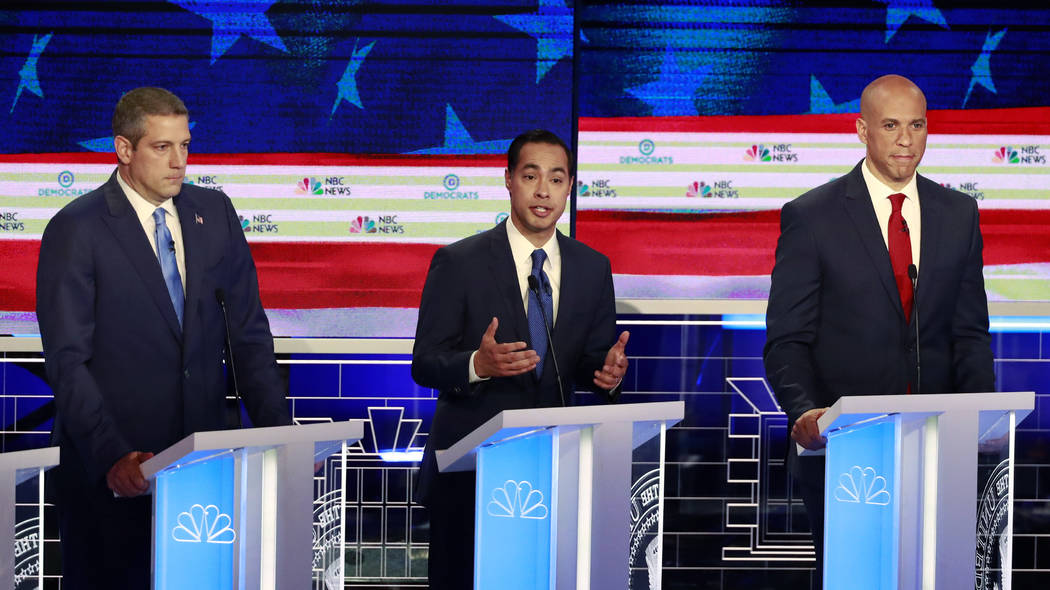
197, 217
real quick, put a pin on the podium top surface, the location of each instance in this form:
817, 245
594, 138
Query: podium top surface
646, 417
29, 459
25, 464
851, 409
200, 444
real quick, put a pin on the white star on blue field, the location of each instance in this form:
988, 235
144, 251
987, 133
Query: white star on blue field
230, 20
820, 102
551, 25
982, 67
671, 94
347, 85
898, 11
459, 141
27, 76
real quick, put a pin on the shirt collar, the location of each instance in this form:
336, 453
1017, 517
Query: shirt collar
143, 208
521, 248
878, 189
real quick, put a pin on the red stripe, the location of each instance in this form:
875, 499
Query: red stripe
273, 159
727, 244
1019, 121
313, 275
291, 274
325, 274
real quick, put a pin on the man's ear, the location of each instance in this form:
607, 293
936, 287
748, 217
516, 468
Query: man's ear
862, 130
124, 149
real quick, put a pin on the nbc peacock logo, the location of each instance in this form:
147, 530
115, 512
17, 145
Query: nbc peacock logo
309, 186
757, 153
698, 189
1006, 155
363, 225
517, 500
862, 486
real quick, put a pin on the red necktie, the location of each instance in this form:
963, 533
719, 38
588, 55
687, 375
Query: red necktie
900, 253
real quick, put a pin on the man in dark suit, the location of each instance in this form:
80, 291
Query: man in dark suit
480, 339
842, 309
128, 289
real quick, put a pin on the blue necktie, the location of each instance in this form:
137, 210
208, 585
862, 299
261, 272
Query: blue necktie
168, 265
537, 332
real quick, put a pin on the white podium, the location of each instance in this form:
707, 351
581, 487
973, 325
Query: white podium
553, 493
905, 507
234, 508
22, 559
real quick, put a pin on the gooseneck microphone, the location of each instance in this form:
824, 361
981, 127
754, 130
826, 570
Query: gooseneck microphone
913, 274
220, 296
534, 286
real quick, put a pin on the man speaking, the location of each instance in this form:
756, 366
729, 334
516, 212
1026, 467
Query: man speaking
864, 263
133, 284
487, 308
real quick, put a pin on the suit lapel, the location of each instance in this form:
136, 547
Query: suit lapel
862, 213
568, 293
503, 269
929, 242
192, 238
127, 230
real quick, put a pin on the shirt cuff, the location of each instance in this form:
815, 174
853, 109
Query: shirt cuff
472, 376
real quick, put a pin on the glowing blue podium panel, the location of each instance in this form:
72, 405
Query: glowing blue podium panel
514, 514
918, 490
233, 508
552, 502
861, 512
193, 526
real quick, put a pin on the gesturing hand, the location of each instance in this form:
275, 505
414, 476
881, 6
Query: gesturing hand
615, 364
503, 360
806, 432
125, 476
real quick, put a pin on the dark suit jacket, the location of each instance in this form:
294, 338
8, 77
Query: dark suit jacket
124, 375
474, 280
835, 325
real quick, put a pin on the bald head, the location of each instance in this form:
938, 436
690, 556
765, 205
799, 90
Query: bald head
882, 89
892, 124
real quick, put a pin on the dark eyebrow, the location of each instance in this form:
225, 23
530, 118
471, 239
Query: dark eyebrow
525, 167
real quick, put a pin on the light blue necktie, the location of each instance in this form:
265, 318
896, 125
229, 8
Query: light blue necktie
169, 266
536, 329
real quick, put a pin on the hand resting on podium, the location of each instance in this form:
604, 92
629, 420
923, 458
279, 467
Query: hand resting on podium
806, 432
125, 476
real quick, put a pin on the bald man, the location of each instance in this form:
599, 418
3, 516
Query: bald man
843, 306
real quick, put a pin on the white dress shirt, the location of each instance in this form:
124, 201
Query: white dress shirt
880, 194
144, 211
521, 252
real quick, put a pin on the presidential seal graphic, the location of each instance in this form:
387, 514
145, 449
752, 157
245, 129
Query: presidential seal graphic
645, 544
327, 541
27, 554
993, 531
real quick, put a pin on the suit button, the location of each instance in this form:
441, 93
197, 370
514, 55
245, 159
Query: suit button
186, 373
